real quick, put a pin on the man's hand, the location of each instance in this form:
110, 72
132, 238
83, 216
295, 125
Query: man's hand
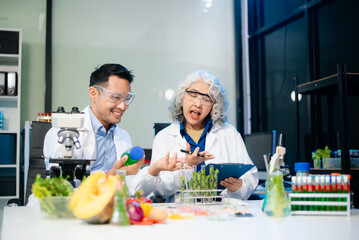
193, 159
232, 184
165, 164
130, 170
134, 168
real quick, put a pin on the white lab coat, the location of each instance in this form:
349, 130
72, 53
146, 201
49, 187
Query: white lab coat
53, 149
225, 142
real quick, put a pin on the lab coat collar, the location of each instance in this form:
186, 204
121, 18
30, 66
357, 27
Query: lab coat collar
89, 142
174, 129
210, 140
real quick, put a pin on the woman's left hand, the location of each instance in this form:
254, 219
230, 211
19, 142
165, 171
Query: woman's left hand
194, 159
232, 184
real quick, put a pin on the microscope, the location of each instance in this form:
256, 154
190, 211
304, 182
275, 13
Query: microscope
277, 161
69, 123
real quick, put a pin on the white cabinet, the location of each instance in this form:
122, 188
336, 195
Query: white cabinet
10, 67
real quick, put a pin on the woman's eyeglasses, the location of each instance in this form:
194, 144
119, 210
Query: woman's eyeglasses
193, 96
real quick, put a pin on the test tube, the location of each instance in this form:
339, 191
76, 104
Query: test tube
182, 184
328, 190
310, 190
194, 178
334, 190
346, 184
317, 189
294, 190
340, 190
186, 175
322, 190
305, 190
211, 173
185, 172
215, 185
300, 190
203, 180
199, 180
208, 184
346, 188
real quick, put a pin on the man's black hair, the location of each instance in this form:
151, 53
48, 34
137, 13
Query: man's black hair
100, 76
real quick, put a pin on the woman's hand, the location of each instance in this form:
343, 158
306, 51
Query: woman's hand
194, 159
165, 164
130, 170
232, 184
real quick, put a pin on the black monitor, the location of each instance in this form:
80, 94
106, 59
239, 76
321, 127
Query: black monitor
257, 145
159, 126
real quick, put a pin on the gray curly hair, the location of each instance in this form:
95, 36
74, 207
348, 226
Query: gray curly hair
219, 112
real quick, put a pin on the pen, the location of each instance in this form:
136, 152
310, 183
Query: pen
189, 152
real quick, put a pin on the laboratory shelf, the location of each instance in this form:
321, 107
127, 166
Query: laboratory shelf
9, 59
329, 85
7, 132
342, 84
8, 165
10, 62
329, 170
9, 98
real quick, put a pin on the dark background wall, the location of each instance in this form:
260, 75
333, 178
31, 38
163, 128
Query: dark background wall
304, 39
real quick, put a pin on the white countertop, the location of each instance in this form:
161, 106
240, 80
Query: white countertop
28, 223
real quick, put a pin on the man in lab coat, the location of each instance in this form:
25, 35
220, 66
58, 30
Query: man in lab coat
101, 138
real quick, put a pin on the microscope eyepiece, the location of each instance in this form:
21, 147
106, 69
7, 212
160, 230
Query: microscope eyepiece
75, 110
281, 140
60, 109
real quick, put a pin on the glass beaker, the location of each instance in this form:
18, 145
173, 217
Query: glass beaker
120, 216
277, 203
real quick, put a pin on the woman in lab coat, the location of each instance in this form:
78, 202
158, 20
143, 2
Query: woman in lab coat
199, 110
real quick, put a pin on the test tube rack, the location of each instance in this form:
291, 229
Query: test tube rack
198, 196
320, 203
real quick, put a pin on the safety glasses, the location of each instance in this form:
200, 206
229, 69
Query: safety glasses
116, 97
193, 96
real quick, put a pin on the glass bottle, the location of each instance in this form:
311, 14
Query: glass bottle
302, 168
277, 203
120, 216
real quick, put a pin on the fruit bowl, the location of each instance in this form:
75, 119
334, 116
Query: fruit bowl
56, 207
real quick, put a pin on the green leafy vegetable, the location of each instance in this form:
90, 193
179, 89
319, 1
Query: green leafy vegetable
320, 154
51, 187
54, 195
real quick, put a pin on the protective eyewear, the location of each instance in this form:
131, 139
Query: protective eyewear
193, 96
116, 97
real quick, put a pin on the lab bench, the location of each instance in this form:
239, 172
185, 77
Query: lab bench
27, 222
